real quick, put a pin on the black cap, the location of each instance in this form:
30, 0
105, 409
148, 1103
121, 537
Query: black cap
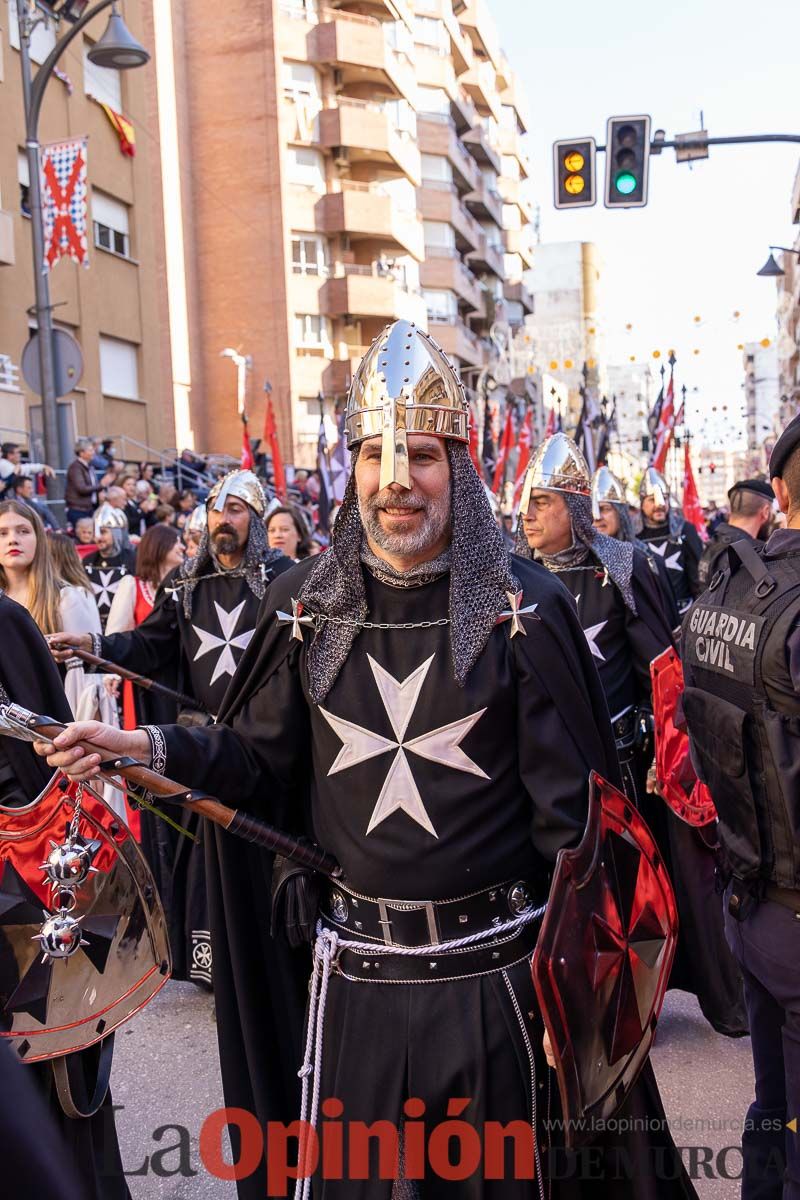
759, 486
785, 446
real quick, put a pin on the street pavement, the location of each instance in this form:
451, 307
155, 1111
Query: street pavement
166, 1073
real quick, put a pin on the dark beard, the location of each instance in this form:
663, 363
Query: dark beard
225, 541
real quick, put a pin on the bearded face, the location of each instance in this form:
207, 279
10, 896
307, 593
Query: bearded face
409, 523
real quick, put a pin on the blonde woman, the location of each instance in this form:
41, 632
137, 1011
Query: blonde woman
28, 575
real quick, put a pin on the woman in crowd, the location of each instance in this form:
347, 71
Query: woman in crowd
286, 531
28, 575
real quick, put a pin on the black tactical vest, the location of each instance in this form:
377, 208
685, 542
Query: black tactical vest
743, 712
712, 558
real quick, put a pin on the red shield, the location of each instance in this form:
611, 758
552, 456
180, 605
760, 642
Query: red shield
603, 959
688, 798
53, 1006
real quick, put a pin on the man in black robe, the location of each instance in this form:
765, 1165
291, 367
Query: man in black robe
671, 537
426, 705
28, 676
621, 614
203, 619
113, 558
751, 502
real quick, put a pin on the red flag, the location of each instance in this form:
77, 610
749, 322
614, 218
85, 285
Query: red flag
550, 428
525, 442
248, 462
506, 442
271, 437
666, 424
692, 508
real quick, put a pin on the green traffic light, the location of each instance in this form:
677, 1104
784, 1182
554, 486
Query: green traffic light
625, 183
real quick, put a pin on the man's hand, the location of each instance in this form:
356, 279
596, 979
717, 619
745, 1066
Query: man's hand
48, 472
548, 1050
81, 641
71, 755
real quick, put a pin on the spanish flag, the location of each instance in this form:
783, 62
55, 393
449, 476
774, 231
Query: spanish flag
123, 129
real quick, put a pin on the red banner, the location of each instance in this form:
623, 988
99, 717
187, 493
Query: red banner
692, 508
271, 438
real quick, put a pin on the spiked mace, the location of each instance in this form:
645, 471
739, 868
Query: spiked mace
19, 722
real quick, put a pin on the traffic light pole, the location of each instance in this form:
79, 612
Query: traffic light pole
700, 143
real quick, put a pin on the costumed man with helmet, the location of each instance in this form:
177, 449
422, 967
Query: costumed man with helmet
83, 942
612, 516
751, 502
204, 616
670, 537
426, 705
741, 650
620, 610
113, 558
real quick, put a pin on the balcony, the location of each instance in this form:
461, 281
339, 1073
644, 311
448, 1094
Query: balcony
517, 293
487, 257
338, 373
443, 270
485, 204
357, 47
7, 256
433, 69
511, 193
517, 241
440, 202
482, 148
457, 341
480, 83
509, 142
474, 17
437, 135
363, 129
364, 211
462, 110
360, 291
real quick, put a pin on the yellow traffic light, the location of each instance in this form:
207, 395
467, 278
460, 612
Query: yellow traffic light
574, 161
574, 171
574, 184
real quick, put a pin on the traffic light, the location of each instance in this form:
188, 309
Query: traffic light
574, 173
627, 161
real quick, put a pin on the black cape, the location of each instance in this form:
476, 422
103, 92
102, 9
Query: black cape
29, 677
260, 984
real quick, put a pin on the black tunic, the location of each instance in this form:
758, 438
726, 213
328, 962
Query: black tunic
422, 789
29, 677
105, 573
681, 554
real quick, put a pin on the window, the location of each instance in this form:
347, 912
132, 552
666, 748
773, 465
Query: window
436, 166
312, 332
304, 10
441, 306
301, 79
110, 219
306, 167
429, 31
43, 38
24, 179
433, 100
309, 254
439, 233
100, 83
397, 37
401, 116
119, 368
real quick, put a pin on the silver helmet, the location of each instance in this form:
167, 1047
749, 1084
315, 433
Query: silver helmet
242, 484
198, 520
654, 484
404, 384
556, 466
606, 489
108, 517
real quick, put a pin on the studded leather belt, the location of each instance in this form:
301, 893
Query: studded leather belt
416, 923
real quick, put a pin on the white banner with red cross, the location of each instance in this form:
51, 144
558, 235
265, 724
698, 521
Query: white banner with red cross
64, 202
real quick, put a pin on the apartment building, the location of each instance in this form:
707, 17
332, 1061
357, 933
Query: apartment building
350, 164
789, 319
117, 307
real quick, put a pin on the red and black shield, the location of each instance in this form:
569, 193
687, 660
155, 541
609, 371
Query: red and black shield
53, 1006
603, 959
678, 784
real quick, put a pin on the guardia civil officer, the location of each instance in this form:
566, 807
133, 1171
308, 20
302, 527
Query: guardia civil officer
751, 507
741, 644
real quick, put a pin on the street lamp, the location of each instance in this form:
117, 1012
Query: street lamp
117, 49
771, 268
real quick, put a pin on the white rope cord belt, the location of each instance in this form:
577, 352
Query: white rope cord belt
327, 948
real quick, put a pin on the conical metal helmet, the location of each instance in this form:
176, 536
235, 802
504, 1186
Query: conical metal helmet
654, 484
606, 489
404, 384
243, 485
557, 466
198, 520
108, 517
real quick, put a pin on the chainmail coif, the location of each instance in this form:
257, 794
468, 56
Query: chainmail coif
616, 556
257, 558
480, 576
